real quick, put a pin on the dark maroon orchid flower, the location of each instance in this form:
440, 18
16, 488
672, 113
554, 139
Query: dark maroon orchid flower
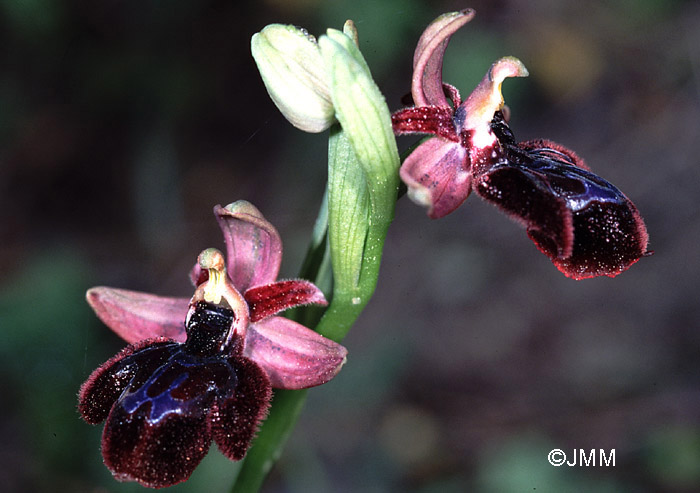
584, 224
202, 369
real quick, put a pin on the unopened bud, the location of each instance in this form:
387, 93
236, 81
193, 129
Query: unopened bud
292, 68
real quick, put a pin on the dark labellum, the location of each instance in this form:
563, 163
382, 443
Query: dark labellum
165, 401
583, 223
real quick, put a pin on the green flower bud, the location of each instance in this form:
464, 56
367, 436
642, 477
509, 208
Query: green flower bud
292, 68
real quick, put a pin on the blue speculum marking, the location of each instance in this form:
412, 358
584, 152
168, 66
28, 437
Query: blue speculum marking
198, 380
596, 189
177, 378
162, 403
578, 186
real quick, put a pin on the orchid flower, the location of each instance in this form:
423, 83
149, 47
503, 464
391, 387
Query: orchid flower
202, 369
583, 223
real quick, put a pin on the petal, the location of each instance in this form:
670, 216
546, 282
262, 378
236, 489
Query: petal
293, 356
436, 120
235, 420
158, 430
136, 316
157, 454
521, 195
254, 248
608, 239
553, 151
269, 299
438, 176
104, 386
426, 86
583, 223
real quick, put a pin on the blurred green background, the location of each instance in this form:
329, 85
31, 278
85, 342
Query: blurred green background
122, 123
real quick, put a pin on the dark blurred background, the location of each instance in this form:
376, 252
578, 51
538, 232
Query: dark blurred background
122, 124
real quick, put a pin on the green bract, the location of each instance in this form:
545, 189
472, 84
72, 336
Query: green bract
362, 180
291, 66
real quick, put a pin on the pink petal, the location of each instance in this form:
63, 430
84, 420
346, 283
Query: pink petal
438, 176
426, 87
293, 356
253, 246
136, 316
270, 299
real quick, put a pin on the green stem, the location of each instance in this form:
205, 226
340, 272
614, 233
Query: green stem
267, 448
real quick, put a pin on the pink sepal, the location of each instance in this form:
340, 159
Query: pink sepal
426, 87
438, 176
253, 245
293, 356
136, 316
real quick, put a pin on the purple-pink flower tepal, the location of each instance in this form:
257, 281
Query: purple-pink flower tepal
583, 223
203, 369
